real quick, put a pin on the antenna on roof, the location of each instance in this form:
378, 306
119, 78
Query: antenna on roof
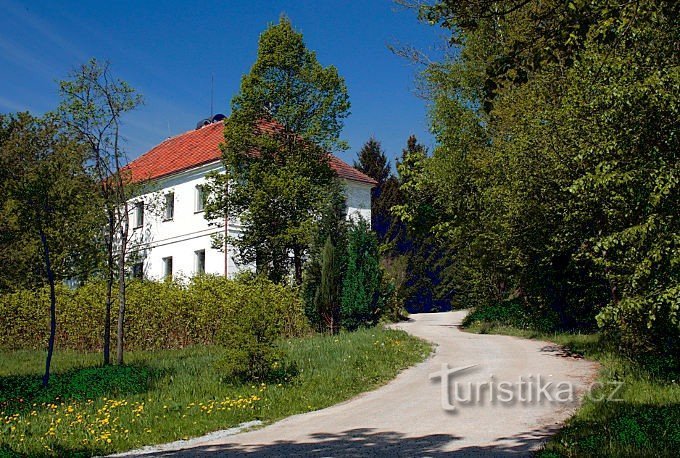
212, 93
269, 108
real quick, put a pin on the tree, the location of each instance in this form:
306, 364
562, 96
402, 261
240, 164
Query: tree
372, 161
554, 182
427, 286
361, 301
93, 103
328, 294
286, 117
332, 228
49, 200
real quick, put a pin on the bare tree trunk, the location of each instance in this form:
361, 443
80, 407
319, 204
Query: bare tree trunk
124, 227
226, 246
121, 310
297, 260
124, 223
109, 289
53, 307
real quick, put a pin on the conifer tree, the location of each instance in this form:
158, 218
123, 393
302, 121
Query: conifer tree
328, 299
361, 285
373, 161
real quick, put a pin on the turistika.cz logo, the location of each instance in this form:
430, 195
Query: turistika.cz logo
529, 389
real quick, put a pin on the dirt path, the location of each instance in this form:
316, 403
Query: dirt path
406, 417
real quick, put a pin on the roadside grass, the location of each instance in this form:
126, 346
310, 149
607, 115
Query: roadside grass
164, 396
646, 422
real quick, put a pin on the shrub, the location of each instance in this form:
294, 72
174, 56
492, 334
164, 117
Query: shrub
159, 315
393, 305
392, 288
646, 328
332, 228
361, 301
251, 330
513, 313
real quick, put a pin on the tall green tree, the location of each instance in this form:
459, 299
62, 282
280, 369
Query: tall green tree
49, 202
285, 119
554, 178
373, 161
426, 285
93, 104
361, 300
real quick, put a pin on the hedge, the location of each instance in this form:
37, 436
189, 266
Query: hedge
159, 315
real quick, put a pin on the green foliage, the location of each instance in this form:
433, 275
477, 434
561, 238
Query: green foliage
426, 286
513, 313
555, 178
250, 333
361, 299
169, 314
44, 189
332, 227
328, 295
290, 111
372, 161
393, 305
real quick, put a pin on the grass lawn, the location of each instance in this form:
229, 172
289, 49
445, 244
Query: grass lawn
164, 396
645, 423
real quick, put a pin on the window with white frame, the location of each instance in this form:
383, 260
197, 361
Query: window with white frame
139, 214
200, 198
169, 206
167, 267
199, 261
138, 270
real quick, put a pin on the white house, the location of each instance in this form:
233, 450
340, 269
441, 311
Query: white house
169, 234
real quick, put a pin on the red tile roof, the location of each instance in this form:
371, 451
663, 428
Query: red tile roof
202, 146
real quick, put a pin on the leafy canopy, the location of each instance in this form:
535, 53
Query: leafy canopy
286, 117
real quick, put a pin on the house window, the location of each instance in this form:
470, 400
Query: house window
169, 206
139, 214
167, 267
138, 270
200, 261
200, 198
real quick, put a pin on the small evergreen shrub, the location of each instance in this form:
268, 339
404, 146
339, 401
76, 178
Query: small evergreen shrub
361, 299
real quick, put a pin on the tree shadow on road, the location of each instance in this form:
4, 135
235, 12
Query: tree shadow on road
367, 442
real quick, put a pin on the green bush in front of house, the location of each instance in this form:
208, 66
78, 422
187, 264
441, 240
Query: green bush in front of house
159, 315
250, 337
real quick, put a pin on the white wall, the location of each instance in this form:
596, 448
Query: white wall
358, 200
189, 232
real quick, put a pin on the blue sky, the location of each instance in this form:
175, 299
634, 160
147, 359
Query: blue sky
169, 50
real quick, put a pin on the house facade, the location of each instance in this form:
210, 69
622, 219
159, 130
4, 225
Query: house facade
169, 235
